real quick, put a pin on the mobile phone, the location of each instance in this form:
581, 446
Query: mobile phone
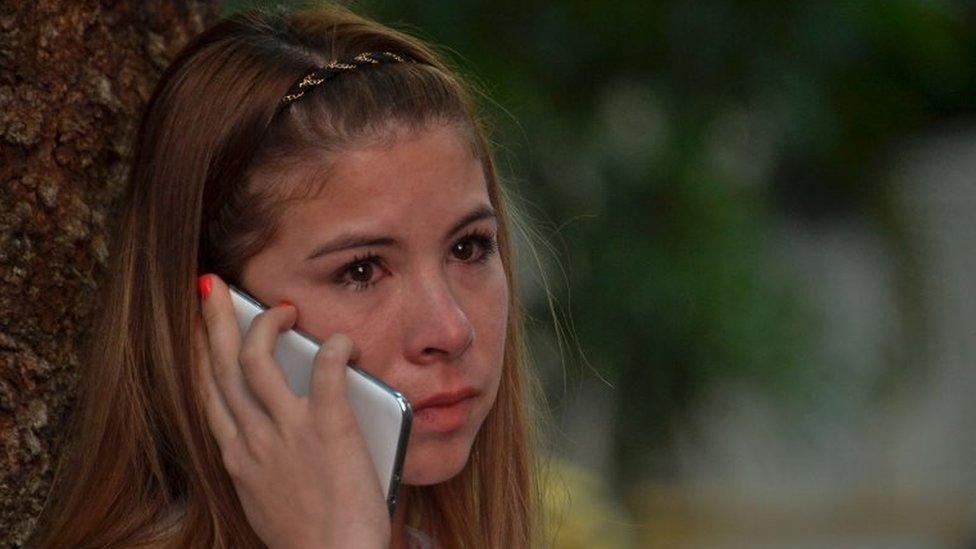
383, 414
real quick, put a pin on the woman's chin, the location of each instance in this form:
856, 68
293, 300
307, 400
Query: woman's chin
434, 463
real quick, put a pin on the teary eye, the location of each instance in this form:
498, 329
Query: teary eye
360, 273
476, 246
463, 250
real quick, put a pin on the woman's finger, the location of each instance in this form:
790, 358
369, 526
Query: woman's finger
218, 416
224, 341
262, 373
328, 383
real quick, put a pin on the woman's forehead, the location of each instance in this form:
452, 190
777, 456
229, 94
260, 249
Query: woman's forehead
427, 152
423, 177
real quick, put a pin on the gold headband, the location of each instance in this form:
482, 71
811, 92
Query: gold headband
319, 75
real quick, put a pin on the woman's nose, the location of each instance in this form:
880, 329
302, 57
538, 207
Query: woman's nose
439, 328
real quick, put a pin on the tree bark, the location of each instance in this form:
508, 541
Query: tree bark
74, 77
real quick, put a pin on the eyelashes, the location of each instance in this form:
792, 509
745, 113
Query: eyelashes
483, 239
360, 272
364, 271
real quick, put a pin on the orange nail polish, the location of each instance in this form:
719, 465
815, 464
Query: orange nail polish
286, 302
204, 285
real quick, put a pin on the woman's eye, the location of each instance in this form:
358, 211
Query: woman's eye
464, 250
360, 273
474, 247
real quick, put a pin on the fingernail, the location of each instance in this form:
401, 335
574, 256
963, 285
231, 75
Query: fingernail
285, 302
204, 285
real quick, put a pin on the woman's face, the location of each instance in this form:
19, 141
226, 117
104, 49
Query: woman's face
398, 252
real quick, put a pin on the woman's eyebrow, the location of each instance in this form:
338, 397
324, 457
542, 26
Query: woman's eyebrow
349, 241
480, 212
359, 240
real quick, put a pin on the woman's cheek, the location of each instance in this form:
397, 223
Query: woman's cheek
491, 299
497, 289
327, 314
484, 282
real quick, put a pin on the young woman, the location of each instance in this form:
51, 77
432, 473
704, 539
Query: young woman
339, 169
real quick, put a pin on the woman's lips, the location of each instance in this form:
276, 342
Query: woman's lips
445, 412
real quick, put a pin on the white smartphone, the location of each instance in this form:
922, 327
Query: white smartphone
383, 414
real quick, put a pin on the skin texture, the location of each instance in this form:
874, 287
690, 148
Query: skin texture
423, 307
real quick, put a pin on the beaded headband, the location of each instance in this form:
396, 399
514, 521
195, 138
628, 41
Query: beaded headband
319, 75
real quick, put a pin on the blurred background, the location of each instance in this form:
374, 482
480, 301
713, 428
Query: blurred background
756, 221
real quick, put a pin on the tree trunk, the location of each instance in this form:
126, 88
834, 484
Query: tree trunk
74, 77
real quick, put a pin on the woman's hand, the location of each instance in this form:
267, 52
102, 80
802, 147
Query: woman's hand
299, 464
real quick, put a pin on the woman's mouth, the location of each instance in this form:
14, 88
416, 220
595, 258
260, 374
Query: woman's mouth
445, 412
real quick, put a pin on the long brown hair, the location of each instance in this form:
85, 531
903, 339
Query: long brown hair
140, 446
